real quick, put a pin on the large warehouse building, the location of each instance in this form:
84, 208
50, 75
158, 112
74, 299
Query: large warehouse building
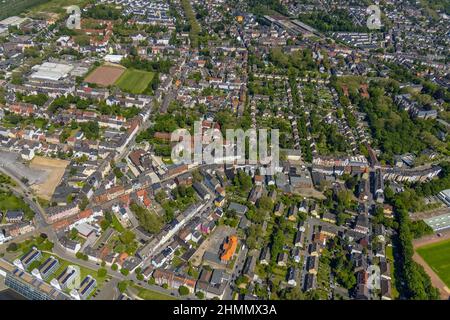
51, 71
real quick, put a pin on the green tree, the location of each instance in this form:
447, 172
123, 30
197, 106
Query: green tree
183, 291
122, 286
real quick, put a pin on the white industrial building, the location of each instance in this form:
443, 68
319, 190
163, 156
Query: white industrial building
51, 71
113, 58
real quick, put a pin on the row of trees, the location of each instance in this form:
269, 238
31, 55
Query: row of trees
337, 20
412, 280
40, 99
194, 27
134, 62
102, 12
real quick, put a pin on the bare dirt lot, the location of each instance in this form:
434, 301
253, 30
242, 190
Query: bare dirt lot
55, 170
309, 192
435, 280
105, 75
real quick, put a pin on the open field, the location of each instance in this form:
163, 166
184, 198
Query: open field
36, 7
56, 6
147, 294
309, 192
135, 81
433, 253
105, 75
55, 170
15, 7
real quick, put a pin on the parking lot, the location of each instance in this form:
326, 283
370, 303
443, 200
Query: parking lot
13, 164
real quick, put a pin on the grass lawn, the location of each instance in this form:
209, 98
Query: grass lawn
57, 6
437, 256
116, 224
147, 294
84, 271
8, 201
176, 262
134, 81
15, 7
390, 258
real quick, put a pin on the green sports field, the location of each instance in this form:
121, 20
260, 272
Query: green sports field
437, 256
134, 81
14, 7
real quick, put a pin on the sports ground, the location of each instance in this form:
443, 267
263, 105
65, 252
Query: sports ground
134, 81
432, 252
128, 80
105, 75
437, 256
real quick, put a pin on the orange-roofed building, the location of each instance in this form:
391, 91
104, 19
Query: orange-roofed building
143, 196
229, 247
125, 199
320, 237
63, 224
85, 214
147, 202
141, 193
104, 252
122, 257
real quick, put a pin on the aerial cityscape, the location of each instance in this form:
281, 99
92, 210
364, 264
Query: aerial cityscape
224, 150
